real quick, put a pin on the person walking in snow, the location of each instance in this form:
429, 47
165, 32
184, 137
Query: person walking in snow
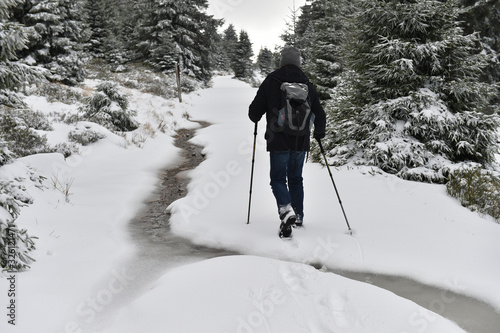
287, 149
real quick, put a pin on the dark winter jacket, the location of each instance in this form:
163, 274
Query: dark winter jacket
269, 100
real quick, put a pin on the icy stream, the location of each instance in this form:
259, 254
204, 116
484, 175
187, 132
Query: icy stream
158, 250
471, 314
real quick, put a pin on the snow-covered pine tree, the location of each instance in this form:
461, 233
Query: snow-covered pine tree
175, 35
109, 108
56, 45
289, 36
13, 75
218, 58
412, 102
128, 25
210, 39
67, 44
42, 16
114, 40
94, 19
230, 43
242, 61
144, 36
176, 31
320, 31
483, 16
265, 61
277, 55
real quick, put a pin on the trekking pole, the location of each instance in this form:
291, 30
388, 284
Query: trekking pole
335, 186
251, 175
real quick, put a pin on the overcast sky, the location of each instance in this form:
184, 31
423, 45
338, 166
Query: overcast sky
264, 20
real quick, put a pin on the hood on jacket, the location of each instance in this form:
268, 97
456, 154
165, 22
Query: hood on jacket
290, 73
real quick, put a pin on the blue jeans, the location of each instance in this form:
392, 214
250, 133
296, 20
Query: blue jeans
287, 166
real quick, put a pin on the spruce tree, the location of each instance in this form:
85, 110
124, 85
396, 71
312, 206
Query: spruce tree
117, 13
163, 53
230, 43
13, 75
290, 34
483, 16
265, 61
44, 17
196, 49
172, 32
145, 34
68, 62
57, 41
411, 102
242, 61
321, 29
110, 25
94, 18
212, 41
128, 25
219, 58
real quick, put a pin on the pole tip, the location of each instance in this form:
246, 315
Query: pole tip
350, 232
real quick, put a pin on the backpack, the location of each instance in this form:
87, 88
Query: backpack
294, 118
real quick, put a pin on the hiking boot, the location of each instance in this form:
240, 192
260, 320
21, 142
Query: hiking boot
298, 221
288, 219
286, 228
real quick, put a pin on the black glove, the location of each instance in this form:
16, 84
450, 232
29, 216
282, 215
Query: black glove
318, 136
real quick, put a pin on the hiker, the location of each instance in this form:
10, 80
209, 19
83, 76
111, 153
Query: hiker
287, 148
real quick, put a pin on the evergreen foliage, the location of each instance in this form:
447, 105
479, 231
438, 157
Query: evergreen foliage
241, 63
109, 25
483, 16
96, 24
477, 189
15, 244
18, 130
56, 43
144, 32
321, 30
172, 32
5, 153
219, 58
290, 36
109, 108
85, 136
265, 61
13, 38
412, 101
117, 26
230, 44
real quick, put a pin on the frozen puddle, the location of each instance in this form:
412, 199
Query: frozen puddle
159, 250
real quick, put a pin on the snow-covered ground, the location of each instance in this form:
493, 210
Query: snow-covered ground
401, 228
